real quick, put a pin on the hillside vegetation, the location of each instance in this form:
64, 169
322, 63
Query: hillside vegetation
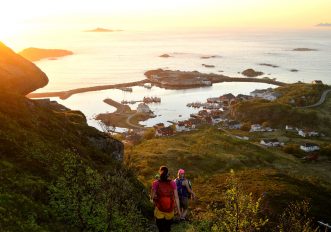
286, 109
59, 174
208, 155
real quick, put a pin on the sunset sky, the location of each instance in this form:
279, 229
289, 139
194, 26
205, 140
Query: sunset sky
150, 14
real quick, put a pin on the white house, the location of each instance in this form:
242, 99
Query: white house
148, 85
267, 94
271, 96
306, 133
256, 128
309, 147
270, 142
289, 128
242, 137
143, 108
206, 82
216, 119
180, 127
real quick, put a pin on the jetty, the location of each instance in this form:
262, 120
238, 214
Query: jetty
66, 94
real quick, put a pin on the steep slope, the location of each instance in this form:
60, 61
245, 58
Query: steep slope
59, 174
17, 74
56, 172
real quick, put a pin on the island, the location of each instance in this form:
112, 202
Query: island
251, 73
304, 49
208, 65
165, 56
269, 65
100, 29
209, 57
170, 79
324, 25
35, 54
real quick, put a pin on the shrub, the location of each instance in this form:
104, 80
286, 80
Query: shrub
291, 149
241, 212
295, 218
89, 201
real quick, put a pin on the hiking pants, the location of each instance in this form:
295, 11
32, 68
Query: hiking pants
163, 225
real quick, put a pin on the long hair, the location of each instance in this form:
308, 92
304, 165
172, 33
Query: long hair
164, 173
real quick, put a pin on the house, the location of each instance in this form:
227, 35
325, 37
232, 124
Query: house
267, 94
206, 82
307, 133
165, 131
317, 82
203, 113
243, 97
242, 137
271, 96
256, 128
270, 142
158, 126
289, 128
182, 126
143, 108
234, 125
309, 147
213, 100
227, 98
148, 85
216, 119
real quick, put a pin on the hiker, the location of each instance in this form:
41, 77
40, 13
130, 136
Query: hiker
165, 196
185, 192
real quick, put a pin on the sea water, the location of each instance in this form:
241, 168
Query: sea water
120, 57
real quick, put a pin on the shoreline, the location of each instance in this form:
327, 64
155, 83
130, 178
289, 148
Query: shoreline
167, 79
123, 117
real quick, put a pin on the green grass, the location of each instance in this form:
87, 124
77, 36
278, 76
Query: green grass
208, 155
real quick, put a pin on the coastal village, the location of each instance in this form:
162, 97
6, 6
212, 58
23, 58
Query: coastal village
215, 111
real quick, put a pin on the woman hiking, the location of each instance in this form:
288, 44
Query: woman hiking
165, 196
185, 192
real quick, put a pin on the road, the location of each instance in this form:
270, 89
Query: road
321, 101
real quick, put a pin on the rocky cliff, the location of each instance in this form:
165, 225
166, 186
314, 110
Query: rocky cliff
17, 74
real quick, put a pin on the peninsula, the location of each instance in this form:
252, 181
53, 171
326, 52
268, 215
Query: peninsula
125, 117
180, 79
100, 29
165, 79
35, 54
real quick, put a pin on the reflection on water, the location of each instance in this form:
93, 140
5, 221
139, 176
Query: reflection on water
173, 102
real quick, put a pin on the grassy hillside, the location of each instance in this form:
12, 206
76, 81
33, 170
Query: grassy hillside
286, 110
300, 94
208, 155
58, 174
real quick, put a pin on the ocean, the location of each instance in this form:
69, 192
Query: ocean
119, 57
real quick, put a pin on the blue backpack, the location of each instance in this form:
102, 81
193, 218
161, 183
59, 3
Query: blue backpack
182, 191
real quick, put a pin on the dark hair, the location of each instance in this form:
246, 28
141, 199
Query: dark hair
164, 173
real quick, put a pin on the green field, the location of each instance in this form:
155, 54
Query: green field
209, 154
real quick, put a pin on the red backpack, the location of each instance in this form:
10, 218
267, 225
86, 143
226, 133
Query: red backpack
165, 196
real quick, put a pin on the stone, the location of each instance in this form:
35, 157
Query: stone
18, 75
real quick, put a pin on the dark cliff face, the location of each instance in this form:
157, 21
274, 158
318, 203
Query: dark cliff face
18, 75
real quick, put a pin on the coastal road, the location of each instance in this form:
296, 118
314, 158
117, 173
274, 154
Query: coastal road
321, 101
128, 121
66, 94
